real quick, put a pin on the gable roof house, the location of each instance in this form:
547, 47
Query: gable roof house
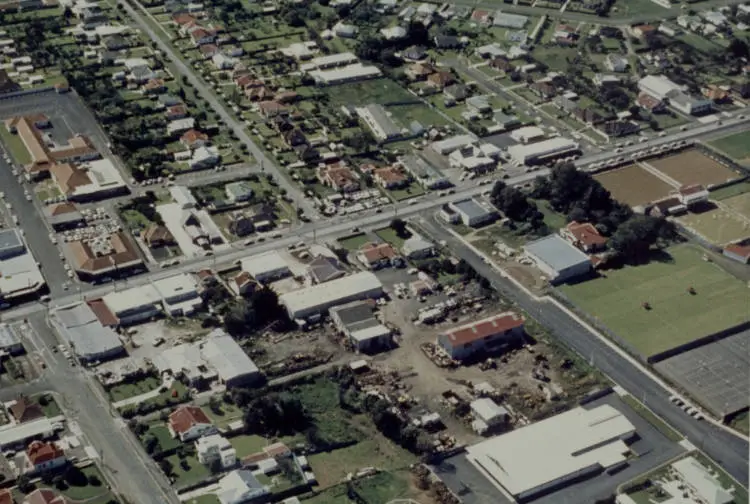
390, 177
419, 71
441, 79
192, 139
44, 456
25, 410
189, 422
339, 177
378, 255
585, 236
324, 268
544, 88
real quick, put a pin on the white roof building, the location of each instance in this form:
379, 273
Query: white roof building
319, 298
266, 266
448, 145
180, 125
354, 72
239, 487
179, 294
506, 20
103, 179
557, 146
329, 61
701, 481
546, 454
527, 134
557, 258
81, 328
204, 156
393, 33
183, 196
300, 50
215, 447
19, 272
657, 86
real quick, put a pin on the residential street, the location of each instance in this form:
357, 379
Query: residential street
726, 449
208, 94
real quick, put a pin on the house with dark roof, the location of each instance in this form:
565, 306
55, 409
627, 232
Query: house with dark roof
156, 236
7, 85
25, 410
446, 41
619, 128
441, 79
324, 268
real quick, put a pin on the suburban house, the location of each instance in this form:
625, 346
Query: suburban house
215, 447
189, 422
441, 79
339, 177
419, 71
192, 139
241, 487
616, 63
44, 456
324, 269
378, 255
390, 177
585, 236
467, 340
157, 236
25, 410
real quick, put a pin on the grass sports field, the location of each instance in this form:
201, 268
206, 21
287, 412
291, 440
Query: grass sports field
740, 204
735, 146
676, 316
718, 225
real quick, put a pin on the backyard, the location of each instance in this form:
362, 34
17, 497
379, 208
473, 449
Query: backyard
131, 389
674, 315
354, 242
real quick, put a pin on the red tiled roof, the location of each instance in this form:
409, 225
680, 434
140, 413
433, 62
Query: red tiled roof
191, 136
586, 233
389, 174
40, 452
185, 417
739, 249
484, 328
687, 190
63, 208
374, 252
44, 496
102, 312
6, 496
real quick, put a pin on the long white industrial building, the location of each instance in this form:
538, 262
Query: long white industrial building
317, 299
534, 152
548, 454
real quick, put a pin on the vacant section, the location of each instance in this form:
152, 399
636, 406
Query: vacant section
717, 375
694, 167
633, 185
652, 307
716, 224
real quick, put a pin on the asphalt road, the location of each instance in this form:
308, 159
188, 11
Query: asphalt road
208, 94
730, 451
133, 473
590, 18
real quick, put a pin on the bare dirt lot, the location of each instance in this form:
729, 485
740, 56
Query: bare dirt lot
633, 185
426, 382
693, 167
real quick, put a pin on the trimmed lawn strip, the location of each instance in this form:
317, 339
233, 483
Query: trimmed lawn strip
15, 146
736, 146
651, 418
389, 235
354, 242
730, 191
127, 390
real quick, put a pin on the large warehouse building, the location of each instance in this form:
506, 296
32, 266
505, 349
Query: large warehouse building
557, 258
554, 452
317, 299
540, 151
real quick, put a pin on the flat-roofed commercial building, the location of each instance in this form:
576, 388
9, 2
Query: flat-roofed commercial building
548, 454
467, 340
381, 125
19, 271
546, 149
318, 299
557, 258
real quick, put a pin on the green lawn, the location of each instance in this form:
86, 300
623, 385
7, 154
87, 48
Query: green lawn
78, 492
730, 191
227, 414
332, 467
205, 499
15, 146
651, 418
127, 390
411, 191
50, 407
354, 242
135, 219
380, 91
389, 235
383, 487
424, 115
248, 444
735, 146
676, 317
333, 495
191, 473
164, 438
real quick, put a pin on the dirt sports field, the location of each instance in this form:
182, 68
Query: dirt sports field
633, 185
693, 167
